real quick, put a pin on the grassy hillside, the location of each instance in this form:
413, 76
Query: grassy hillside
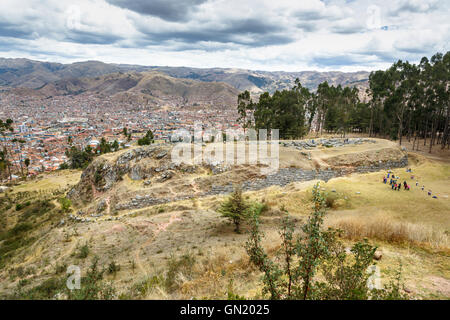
184, 249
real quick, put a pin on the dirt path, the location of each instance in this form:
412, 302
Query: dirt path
160, 228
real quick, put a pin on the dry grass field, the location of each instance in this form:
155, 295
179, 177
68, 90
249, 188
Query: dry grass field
184, 249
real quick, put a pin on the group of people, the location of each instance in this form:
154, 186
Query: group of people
398, 185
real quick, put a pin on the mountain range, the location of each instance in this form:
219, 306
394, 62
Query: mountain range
183, 84
146, 87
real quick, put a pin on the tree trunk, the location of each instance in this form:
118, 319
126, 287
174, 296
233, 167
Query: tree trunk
9, 170
236, 229
425, 130
444, 140
400, 128
409, 126
445, 135
432, 136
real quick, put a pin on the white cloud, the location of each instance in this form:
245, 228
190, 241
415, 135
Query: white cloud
266, 35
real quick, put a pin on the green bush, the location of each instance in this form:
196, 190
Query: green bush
65, 204
60, 268
113, 268
84, 251
92, 286
143, 288
231, 295
44, 291
235, 208
294, 274
78, 159
37, 209
98, 177
147, 139
19, 229
64, 166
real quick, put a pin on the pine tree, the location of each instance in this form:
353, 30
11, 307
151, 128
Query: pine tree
235, 208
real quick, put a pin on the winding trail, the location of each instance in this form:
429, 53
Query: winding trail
160, 228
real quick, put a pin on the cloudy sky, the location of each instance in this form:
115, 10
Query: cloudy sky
294, 35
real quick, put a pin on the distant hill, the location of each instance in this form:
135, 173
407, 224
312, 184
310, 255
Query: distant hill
151, 86
261, 81
35, 74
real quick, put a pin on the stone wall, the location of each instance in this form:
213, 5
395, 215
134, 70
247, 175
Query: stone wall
282, 177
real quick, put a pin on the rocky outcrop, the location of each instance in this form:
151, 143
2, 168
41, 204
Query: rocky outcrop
164, 181
284, 176
328, 143
281, 178
102, 174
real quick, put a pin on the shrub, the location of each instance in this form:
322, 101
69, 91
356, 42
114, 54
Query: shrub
65, 204
98, 177
92, 286
113, 267
36, 209
235, 208
303, 256
175, 266
19, 229
231, 295
84, 251
64, 166
60, 268
147, 139
23, 282
44, 291
146, 286
78, 159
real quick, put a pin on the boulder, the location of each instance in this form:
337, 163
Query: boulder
377, 255
407, 290
136, 173
161, 155
165, 176
101, 206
